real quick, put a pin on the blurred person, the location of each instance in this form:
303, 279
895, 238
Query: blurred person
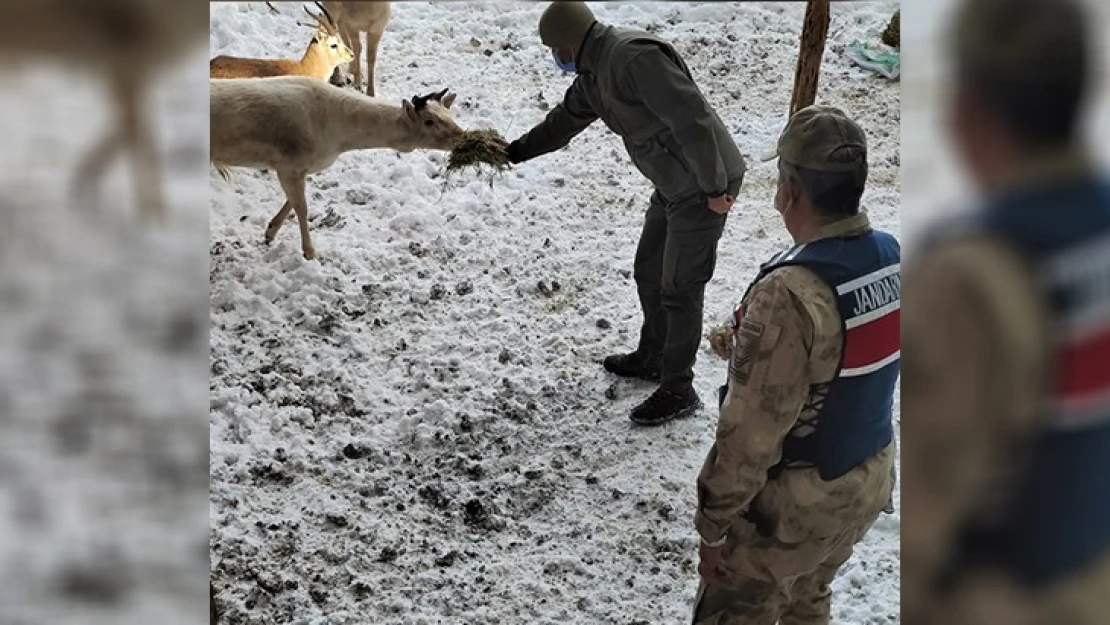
1006, 403
803, 462
643, 91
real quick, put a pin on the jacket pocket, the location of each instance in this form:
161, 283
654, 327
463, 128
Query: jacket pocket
662, 166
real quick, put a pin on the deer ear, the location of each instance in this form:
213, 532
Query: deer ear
448, 100
410, 110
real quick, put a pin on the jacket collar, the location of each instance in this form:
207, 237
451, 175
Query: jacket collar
1047, 169
847, 227
589, 52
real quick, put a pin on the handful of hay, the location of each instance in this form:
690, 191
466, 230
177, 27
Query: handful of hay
476, 148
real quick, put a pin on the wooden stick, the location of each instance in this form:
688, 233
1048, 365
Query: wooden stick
814, 31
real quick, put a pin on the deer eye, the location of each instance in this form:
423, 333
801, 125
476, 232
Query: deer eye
428, 122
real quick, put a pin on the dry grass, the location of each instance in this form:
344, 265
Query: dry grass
477, 148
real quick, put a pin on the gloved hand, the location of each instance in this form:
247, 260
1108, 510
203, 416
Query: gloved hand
513, 151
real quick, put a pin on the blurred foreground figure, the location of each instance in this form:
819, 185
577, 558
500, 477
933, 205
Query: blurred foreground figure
125, 40
803, 461
1006, 400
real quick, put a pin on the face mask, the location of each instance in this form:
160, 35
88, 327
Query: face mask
566, 66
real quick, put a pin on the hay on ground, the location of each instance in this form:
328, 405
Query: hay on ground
477, 148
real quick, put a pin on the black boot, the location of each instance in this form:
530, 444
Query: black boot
666, 404
630, 366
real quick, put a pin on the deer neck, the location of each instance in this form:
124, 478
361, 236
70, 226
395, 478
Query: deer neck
376, 124
314, 61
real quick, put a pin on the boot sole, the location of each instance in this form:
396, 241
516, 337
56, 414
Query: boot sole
680, 414
650, 377
647, 377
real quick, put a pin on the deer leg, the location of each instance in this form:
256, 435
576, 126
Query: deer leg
84, 188
278, 221
356, 50
137, 136
373, 39
293, 184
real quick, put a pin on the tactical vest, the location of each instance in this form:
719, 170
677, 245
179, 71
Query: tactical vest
853, 421
1057, 520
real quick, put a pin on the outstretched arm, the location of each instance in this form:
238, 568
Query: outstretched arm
562, 124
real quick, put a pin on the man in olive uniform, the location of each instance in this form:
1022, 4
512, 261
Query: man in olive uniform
643, 91
1006, 402
803, 461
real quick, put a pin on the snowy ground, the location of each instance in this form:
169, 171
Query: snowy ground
103, 444
416, 428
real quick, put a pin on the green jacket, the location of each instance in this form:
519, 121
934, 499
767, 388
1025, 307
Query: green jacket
643, 91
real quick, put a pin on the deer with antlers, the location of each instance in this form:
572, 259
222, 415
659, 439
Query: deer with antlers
326, 52
298, 126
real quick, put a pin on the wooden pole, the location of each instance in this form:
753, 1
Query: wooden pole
814, 31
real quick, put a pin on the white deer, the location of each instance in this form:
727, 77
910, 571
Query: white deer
298, 126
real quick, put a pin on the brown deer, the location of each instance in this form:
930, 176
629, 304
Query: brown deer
298, 126
326, 51
355, 18
126, 42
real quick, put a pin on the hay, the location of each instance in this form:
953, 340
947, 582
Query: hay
892, 36
477, 148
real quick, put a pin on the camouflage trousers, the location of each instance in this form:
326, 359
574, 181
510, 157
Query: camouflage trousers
774, 582
992, 598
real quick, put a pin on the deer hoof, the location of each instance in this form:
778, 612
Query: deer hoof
309, 253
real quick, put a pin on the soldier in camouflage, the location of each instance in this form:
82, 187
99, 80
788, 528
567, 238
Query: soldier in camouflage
642, 90
804, 458
1006, 409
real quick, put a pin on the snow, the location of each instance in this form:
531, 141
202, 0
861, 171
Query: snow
103, 458
416, 428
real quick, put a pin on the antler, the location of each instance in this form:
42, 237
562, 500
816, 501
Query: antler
437, 96
327, 21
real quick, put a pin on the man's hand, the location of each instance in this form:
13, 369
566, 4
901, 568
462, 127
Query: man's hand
512, 151
712, 565
721, 204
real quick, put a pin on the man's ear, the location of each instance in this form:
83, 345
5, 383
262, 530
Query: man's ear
410, 110
790, 191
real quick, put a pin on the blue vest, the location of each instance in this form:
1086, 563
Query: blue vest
1058, 520
854, 421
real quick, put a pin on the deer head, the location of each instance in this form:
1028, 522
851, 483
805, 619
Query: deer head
430, 122
327, 37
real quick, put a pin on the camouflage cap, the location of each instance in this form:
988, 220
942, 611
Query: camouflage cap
814, 135
564, 24
1018, 41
